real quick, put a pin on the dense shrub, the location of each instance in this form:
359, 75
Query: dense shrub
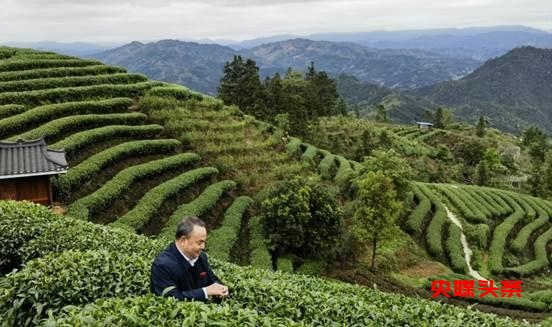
416, 218
78, 93
94, 164
301, 218
455, 250
20, 222
500, 234
544, 296
327, 167
260, 256
29, 231
81, 140
45, 113
149, 103
152, 201
204, 202
520, 241
25, 64
71, 278
310, 153
73, 81
7, 110
223, 238
174, 91
61, 126
477, 235
436, 225
466, 209
294, 146
85, 207
59, 72
82, 277
149, 310
344, 172
284, 264
541, 260
312, 267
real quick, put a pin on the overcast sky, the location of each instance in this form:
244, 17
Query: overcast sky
148, 20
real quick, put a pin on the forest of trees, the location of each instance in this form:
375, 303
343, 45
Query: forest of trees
292, 101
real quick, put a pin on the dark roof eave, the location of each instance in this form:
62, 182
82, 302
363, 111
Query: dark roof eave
34, 174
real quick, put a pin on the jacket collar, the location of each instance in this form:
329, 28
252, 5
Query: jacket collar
175, 252
190, 261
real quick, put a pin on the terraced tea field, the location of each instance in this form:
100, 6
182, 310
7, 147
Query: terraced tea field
143, 154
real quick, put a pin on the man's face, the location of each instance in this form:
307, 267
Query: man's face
194, 243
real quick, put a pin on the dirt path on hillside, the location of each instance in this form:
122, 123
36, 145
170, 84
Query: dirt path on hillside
467, 251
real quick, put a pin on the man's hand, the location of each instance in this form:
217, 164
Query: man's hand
217, 289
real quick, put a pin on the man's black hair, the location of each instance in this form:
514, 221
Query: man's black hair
186, 226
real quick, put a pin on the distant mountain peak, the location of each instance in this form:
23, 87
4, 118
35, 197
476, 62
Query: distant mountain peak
514, 89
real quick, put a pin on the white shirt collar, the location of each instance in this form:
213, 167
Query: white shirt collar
190, 261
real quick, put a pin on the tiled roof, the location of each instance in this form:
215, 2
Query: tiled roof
30, 158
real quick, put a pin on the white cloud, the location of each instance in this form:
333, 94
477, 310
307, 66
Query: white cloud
125, 20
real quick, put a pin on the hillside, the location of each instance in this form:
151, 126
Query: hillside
478, 43
513, 91
481, 45
118, 263
199, 66
143, 154
392, 68
400, 107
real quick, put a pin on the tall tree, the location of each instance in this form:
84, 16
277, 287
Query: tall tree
356, 110
535, 181
448, 116
302, 218
321, 95
303, 99
538, 149
274, 96
384, 140
480, 128
471, 152
438, 118
240, 85
547, 178
341, 107
483, 177
531, 135
365, 146
394, 167
381, 113
294, 103
377, 210
427, 115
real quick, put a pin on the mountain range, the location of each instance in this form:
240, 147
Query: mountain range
513, 91
394, 68
400, 107
479, 43
200, 66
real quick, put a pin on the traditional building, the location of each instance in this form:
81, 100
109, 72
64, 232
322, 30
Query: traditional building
26, 168
424, 125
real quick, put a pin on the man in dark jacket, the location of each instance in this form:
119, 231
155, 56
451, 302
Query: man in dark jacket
182, 270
